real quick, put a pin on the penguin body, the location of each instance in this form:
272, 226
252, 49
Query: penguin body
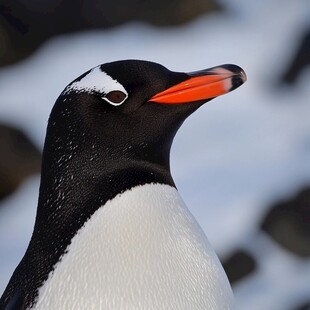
141, 250
111, 230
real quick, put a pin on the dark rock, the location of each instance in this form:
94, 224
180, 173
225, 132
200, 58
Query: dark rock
239, 265
19, 158
288, 223
24, 25
305, 306
300, 61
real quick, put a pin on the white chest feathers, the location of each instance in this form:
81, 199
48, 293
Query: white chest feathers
141, 250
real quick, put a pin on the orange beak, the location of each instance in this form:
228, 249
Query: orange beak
203, 85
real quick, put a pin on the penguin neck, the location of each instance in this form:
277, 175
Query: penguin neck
78, 168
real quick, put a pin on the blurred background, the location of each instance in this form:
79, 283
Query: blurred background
241, 163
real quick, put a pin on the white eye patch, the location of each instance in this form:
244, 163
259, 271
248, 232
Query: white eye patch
97, 81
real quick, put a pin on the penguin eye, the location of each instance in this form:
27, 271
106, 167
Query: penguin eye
115, 97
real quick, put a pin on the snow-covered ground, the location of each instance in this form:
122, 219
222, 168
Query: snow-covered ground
230, 160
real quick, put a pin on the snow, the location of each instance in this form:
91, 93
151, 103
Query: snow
16, 225
230, 160
282, 281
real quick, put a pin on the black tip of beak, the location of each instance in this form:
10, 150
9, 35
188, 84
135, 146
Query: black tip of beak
236, 81
238, 77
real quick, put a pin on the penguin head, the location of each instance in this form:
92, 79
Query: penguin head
134, 106
130, 84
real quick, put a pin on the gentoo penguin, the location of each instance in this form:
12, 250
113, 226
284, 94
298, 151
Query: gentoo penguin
111, 229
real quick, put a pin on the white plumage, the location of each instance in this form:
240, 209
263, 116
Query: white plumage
141, 250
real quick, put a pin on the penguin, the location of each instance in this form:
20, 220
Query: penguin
111, 230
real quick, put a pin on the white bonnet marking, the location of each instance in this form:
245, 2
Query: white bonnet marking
99, 82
